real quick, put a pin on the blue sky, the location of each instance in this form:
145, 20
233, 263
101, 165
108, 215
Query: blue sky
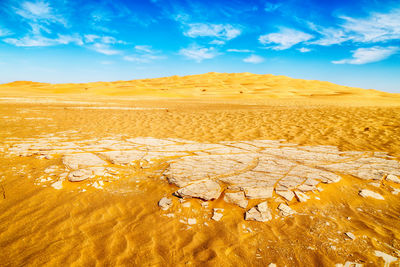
354, 43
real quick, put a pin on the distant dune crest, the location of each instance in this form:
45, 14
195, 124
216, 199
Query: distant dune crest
209, 85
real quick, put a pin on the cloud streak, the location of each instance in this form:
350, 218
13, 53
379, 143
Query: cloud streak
198, 53
369, 55
284, 39
222, 31
254, 59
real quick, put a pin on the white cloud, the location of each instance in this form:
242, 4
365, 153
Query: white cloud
368, 55
104, 49
145, 54
39, 12
217, 42
284, 39
144, 48
40, 41
222, 31
144, 58
330, 36
254, 59
240, 50
304, 49
377, 27
90, 38
198, 53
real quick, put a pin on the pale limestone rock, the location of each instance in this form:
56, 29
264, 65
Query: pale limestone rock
386, 257
217, 215
186, 170
165, 203
82, 160
57, 185
258, 192
306, 188
369, 193
288, 195
192, 221
237, 198
393, 178
260, 213
301, 197
285, 210
350, 235
205, 189
80, 175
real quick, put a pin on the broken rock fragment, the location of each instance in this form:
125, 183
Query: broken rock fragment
301, 197
204, 189
82, 160
259, 192
369, 193
288, 195
217, 214
393, 178
80, 175
237, 198
260, 213
285, 210
350, 235
165, 203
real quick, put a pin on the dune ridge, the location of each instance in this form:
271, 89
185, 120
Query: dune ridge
246, 86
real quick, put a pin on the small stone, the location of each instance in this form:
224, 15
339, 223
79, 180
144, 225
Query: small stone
369, 193
165, 203
260, 213
393, 178
285, 210
192, 221
57, 185
350, 235
216, 215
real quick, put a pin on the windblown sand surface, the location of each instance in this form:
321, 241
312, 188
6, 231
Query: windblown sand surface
140, 139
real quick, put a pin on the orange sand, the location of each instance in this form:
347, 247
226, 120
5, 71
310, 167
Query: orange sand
124, 226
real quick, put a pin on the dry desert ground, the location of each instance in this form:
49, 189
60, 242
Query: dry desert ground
202, 170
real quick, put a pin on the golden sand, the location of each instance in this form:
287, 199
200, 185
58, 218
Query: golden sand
124, 226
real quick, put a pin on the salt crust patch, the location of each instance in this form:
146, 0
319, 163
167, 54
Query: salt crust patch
258, 168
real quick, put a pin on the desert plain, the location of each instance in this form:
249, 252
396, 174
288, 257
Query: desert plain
203, 170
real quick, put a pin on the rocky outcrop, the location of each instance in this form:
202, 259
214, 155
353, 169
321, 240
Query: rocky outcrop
82, 160
204, 189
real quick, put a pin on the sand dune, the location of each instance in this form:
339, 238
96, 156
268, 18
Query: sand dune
113, 219
240, 86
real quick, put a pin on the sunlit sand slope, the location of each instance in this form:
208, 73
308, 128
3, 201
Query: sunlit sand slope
84, 166
209, 85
